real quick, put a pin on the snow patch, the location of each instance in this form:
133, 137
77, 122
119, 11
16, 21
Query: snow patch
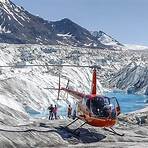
4, 1
65, 35
3, 30
135, 47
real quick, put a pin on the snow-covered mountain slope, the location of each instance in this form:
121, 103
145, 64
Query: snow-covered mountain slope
106, 39
71, 33
133, 78
19, 26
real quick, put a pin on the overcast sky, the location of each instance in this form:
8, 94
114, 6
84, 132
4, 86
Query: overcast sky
125, 20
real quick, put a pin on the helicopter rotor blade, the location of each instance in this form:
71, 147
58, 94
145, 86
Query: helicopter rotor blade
67, 83
52, 88
49, 65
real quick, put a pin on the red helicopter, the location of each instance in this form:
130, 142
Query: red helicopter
95, 110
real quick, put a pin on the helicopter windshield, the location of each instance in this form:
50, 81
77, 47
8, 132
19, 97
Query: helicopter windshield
102, 107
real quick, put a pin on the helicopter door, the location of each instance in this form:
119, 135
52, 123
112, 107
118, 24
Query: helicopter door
84, 105
96, 106
113, 105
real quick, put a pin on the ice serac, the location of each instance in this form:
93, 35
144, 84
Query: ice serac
133, 78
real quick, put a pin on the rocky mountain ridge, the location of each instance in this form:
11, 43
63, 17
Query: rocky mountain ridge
19, 26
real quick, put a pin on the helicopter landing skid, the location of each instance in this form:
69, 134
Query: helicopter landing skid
72, 122
111, 130
74, 131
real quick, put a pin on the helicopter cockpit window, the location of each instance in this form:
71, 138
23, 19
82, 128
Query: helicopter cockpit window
101, 107
97, 105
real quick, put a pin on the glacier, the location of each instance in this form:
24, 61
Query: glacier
25, 93
24, 88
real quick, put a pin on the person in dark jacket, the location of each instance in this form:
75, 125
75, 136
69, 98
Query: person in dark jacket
69, 111
51, 108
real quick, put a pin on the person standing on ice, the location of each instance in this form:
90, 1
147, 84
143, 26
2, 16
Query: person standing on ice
55, 111
51, 108
74, 114
69, 111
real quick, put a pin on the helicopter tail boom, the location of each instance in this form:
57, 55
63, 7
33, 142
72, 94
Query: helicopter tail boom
94, 82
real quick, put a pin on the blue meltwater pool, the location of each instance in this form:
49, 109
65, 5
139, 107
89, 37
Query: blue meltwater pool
129, 102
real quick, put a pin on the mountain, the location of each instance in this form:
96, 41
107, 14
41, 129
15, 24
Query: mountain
73, 34
106, 39
19, 26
